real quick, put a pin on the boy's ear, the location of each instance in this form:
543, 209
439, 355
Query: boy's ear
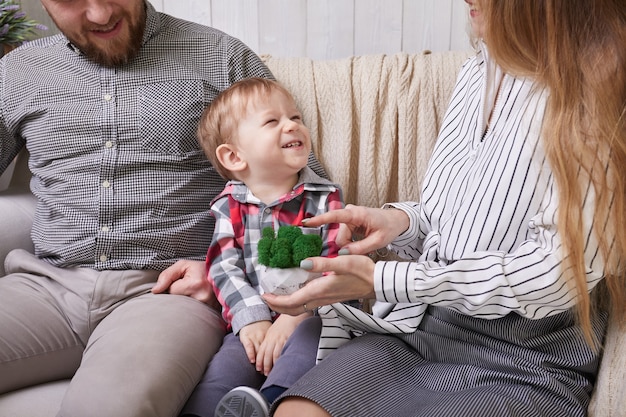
229, 157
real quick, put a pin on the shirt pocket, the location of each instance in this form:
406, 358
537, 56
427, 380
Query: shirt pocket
169, 113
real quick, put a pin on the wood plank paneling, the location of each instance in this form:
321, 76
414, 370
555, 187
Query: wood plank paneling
194, 10
323, 29
377, 26
239, 18
330, 28
426, 25
459, 27
283, 27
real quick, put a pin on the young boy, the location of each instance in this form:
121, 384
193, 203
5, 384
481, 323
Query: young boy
254, 136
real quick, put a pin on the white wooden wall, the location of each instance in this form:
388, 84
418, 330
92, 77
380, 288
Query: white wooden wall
331, 29
322, 29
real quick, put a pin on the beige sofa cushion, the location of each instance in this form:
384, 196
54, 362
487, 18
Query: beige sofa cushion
609, 397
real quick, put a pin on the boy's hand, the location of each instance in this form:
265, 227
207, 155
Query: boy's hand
275, 340
252, 336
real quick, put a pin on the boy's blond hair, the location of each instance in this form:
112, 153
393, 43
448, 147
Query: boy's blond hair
219, 121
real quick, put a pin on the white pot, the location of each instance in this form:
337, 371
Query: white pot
284, 281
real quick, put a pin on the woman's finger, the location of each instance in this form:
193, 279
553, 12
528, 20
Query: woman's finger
334, 216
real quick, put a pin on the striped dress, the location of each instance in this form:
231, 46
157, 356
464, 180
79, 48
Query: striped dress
482, 324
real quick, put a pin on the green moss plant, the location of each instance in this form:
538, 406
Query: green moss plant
287, 247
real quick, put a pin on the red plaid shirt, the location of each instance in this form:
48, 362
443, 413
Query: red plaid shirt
232, 259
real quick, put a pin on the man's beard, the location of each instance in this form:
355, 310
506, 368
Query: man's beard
116, 53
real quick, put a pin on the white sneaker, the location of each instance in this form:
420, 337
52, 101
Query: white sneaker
242, 402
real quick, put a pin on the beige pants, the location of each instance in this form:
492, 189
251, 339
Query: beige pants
129, 352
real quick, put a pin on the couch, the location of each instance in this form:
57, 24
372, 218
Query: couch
373, 122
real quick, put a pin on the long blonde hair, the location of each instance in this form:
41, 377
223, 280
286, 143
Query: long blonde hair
576, 49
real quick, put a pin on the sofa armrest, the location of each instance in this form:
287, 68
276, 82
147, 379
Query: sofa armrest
609, 397
18, 210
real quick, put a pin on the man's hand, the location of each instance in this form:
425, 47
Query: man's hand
188, 278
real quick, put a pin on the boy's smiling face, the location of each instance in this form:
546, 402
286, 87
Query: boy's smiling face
272, 138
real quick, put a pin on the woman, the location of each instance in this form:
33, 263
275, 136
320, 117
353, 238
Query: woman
519, 231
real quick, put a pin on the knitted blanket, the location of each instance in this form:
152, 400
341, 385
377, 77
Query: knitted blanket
373, 118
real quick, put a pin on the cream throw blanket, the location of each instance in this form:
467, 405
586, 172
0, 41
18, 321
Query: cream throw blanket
373, 118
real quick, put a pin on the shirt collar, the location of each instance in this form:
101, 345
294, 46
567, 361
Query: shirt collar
153, 23
308, 180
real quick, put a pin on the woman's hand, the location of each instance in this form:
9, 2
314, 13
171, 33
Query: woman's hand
363, 229
352, 277
188, 278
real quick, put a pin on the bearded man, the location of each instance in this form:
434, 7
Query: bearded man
108, 111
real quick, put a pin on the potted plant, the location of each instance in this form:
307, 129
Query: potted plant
15, 27
280, 254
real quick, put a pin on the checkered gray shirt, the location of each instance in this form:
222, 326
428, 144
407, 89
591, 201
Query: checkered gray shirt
120, 180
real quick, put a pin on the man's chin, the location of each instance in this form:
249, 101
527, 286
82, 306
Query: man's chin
113, 52
111, 56
109, 60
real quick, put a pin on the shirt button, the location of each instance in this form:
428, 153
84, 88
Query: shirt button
108, 97
104, 258
267, 210
108, 144
105, 228
106, 184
